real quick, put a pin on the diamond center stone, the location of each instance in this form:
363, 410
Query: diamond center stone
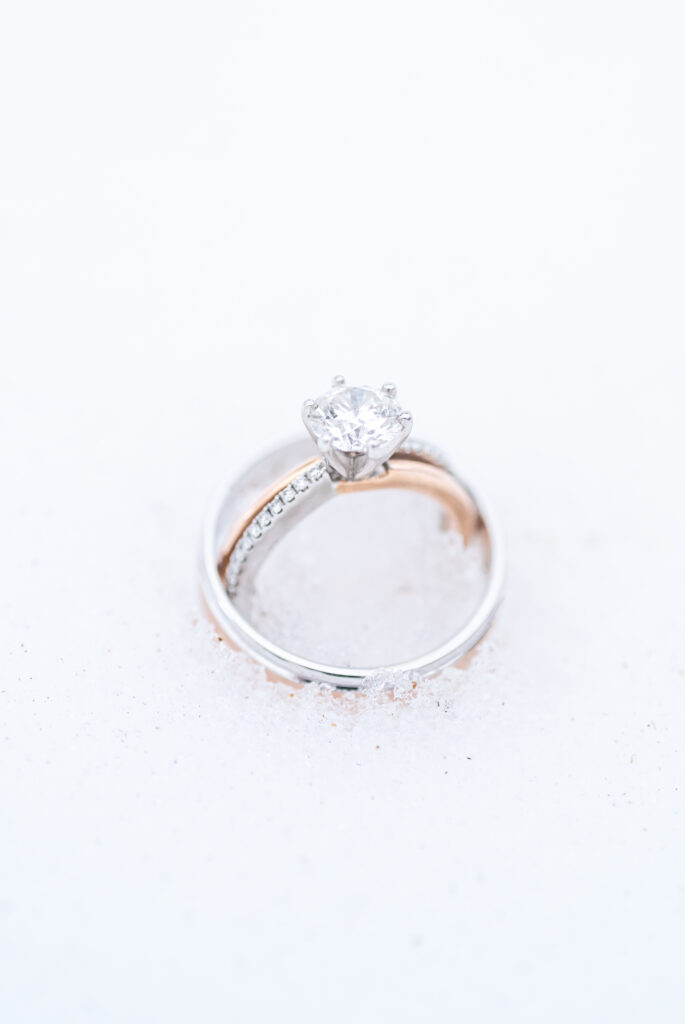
354, 419
357, 428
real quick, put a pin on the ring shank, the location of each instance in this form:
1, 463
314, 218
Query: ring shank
258, 520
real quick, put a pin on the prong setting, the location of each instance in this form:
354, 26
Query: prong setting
357, 429
308, 409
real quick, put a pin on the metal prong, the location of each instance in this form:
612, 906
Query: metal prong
351, 465
338, 381
389, 389
308, 408
407, 421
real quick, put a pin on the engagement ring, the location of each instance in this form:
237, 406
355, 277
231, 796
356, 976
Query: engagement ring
362, 437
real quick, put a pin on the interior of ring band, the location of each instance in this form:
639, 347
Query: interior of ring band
404, 472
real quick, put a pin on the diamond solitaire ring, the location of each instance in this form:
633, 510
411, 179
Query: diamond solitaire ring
361, 443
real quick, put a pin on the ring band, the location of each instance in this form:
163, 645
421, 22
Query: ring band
364, 445
280, 489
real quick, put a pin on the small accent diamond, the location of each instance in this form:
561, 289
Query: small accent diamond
265, 519
287, 494
316, 472
239, 555
301, 484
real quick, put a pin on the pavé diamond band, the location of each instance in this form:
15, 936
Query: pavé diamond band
362, 435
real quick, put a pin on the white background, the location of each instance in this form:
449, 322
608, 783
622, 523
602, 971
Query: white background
206, 210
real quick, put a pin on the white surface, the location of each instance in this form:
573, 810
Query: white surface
209, 209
